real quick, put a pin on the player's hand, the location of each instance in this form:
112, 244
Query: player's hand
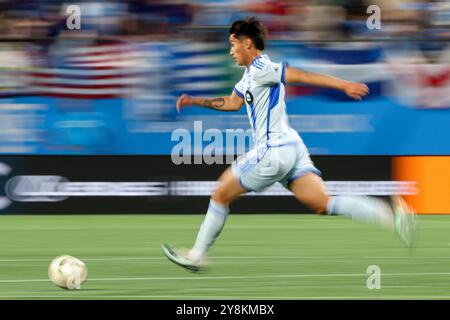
356, 90
182, 101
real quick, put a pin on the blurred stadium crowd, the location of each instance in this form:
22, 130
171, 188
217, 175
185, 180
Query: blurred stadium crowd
34, 32
286, 19
145, 33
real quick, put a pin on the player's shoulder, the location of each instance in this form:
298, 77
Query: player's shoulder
261, 65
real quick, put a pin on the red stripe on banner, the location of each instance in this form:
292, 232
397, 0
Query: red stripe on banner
112, 61
78, 96
41, 75
98, 53
78, 77
80, 86
95, 68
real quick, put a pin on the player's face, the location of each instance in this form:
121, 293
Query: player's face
237, 50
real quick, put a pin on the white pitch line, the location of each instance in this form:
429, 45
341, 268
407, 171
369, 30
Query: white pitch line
237, 277
204, 290
189, 297
291, 227
194, 228
230, 258
87, 259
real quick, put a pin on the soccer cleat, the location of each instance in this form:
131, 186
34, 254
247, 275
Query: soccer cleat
182, 259
404, 220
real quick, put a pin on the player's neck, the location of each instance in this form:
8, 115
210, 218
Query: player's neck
253, 56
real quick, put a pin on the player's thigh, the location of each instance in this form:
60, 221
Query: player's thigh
310, 190
228, 188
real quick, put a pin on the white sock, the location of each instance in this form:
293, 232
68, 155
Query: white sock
210, 229
367, 209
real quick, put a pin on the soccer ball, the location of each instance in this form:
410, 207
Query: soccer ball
67, 272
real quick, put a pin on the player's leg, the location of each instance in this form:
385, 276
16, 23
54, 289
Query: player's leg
255, 171
310, 190
228, 189
305, 182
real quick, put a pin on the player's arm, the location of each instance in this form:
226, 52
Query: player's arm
227, 103
354, 90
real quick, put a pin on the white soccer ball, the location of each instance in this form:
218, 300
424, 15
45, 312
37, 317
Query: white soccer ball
67, 272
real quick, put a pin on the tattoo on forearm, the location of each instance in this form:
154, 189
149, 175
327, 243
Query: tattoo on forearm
215, 103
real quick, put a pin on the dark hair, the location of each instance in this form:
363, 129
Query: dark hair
252, 29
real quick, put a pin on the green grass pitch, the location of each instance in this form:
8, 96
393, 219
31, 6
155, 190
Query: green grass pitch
257, 257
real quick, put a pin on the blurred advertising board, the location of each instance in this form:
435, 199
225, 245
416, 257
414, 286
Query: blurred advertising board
153, 184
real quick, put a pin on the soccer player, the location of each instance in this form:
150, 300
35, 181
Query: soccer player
279, 154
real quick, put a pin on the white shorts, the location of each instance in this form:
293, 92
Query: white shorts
261, 167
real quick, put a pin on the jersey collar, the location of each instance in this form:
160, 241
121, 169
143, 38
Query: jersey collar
256, 58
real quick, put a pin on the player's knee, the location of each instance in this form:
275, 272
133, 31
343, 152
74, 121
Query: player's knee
220, 197
322, 205
321, 209
319, 206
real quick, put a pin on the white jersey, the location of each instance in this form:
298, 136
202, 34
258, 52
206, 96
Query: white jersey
262, 88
